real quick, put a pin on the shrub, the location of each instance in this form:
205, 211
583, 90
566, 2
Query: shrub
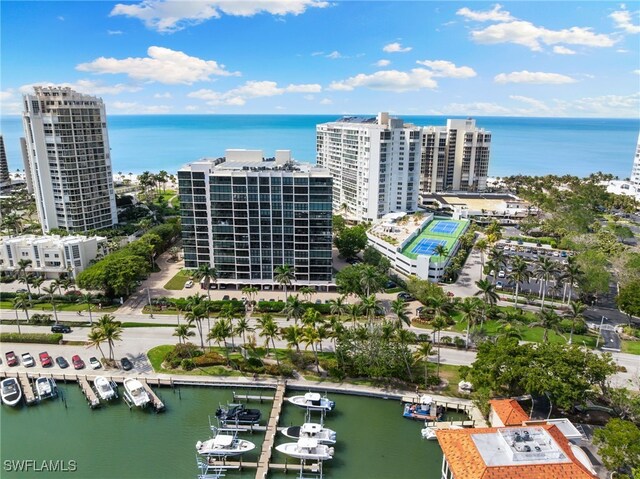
274, 370
182, 351
38, 318
423, 338
302, 360
580, 327
446, 340
210, 358
270, 306
433, 381
43, 338
459, 342
255, 362
187, 364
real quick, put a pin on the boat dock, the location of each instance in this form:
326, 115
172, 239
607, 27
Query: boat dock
89, 393
270, 436
465, 406
156, 402
27, 389
251, 397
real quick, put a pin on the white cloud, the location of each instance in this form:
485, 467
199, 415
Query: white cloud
335, 55
89, 87
533, 77
163, 95
168, 16
10, 103
531, 36
537, 104
478, 108
560, 50
389, 80
396, 48
251, 89
443, 68
139, 109
162, 65
317, 54
637, 72
6, 95
326, 101
60, 17
114, 32
624, 21
616, 106
496, 14
383, 63
191, 107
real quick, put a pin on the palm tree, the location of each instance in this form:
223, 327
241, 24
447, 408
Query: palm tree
482, 246
323, 333
210, 275
470, 308
405, 337
183, 332
371, 308
307, 292
575, 313
87, 298
51, 290
488, 294
37, 282
23, 264
293, 336
21, 301
548, 319
95, 339
310, 337
498, 258
250, 292
570, 275
294, 308
195, 316
355, 311
284, 275
242, 328
370, 280
519, 274
228, 313
422, 353
441, 251
338, 306
400, 308
438, 324
311, 317
269, 331
111, 331
221, 330
545, 269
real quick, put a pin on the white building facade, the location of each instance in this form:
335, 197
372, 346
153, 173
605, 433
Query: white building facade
246, 215
635, 170
375, 165
69, 161
455, 157
51, 255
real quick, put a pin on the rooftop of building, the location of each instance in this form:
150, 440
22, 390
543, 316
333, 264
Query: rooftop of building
477, 201
36, 239
509, 411
531, 452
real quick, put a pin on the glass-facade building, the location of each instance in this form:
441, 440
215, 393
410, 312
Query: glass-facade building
246, 216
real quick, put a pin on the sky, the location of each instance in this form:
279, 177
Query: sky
523, 58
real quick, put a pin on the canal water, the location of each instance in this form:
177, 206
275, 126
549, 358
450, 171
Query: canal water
374, 440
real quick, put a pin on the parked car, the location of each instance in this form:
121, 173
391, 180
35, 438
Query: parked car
405, 296
419, 310
188, 284
390, 284
60, 328
45, 359
77, 361
501, 274
225, 297
27, 360
126, 364
222, 286
492, 272
62, 362
94, 363
499, 285
12, 359
563, 254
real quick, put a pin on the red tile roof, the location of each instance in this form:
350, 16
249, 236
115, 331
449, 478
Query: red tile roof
509, 411
466, 462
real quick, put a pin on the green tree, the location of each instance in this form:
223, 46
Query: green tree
371, 308
294, 308
293, 336
548, 319
570, 275
87, 298
183, 332
545, 270
51, 290
354, 310
575, 314
221, 330
470, 309
339, 224
338, 306
110, 330
619, 445
482, 246
422, 353
423, 290
400, 308
242, 328
360, 280
519, 274
628, 299
307, 292
21, 301
284, 275
351, 241
195, 316
210, 275
441, 250
310, 337
438, 324
487, 291
23, 264
269, 331
95, 339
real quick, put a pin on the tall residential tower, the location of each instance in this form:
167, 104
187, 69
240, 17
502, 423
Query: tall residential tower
68, 153
375, 164
5, 179
635, 170
246, 215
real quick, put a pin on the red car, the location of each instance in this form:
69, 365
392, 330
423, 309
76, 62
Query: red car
12, 359
78, 363
45, 359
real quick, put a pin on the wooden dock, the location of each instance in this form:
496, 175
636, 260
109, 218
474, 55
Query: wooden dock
270, 436
92, 398
251, 397
27, 389
240, 464
156, 402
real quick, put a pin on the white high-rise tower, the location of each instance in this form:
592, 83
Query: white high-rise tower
67, 149
635, 170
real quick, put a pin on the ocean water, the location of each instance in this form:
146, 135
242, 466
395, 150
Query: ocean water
531, 146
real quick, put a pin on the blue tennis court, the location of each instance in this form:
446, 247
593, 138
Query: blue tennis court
445, 227
427, 246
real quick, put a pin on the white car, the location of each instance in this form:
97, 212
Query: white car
492, 272
94, 363
556, 254
499, 285
27, 360
500, 274
188, 284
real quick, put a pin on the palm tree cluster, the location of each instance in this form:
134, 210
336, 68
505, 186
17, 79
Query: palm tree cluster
105, 330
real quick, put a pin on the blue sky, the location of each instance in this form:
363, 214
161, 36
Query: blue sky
569, 59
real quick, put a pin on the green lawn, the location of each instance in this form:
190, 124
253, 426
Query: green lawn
631, 347
63, 307
178, 281
156, 355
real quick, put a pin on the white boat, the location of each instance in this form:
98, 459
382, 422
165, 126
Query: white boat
429, 432
224, 444
313, 401
306, 448
106, 389
311, 430
10, 391
46, 388
135, 393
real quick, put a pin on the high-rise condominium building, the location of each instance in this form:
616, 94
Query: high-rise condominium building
635, 170
69, 159
5, 179
245, 216
455, 157
375, 164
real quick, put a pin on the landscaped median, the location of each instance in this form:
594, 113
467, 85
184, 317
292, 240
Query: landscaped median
43, 338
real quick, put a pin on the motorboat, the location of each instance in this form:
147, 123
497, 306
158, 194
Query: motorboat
135, 393
307, 448
425, 409
46, 388
429, 432
106, 389
238, 414
313, 401
10, 391
224, 444
311, 430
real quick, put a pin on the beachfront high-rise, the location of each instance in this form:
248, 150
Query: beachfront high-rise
455, 157
635, 170
246, 215
5, 179
68, 155
375, 164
